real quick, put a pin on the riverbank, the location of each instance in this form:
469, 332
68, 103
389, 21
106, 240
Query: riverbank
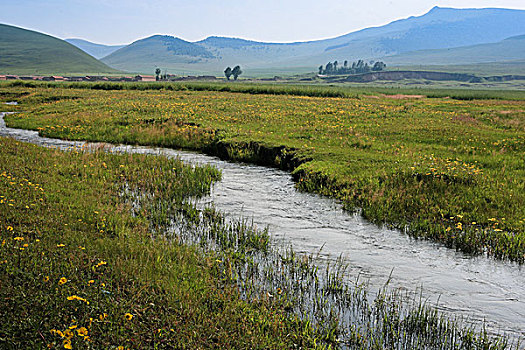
79, 267
438, 168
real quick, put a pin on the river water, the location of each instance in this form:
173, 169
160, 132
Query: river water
474, 288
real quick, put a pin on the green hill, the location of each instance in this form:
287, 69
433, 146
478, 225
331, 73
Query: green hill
507, 50
158, 51
27, 52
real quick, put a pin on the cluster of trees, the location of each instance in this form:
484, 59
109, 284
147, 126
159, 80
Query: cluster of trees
159, 76
356, 67
236, 71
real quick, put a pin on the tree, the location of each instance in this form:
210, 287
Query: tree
157, 74
228, 73
378, 66
329, 68
320, 69
236, 71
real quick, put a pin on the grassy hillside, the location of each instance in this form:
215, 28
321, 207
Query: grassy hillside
27, 52
157, 51
96, 50
506, 50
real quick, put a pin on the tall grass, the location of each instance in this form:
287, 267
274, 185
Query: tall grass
102, 250
78, 270
291, 88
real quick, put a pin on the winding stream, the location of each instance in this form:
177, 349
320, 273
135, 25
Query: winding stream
476, 288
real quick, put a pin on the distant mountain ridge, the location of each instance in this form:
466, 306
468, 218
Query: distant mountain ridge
440, 28
96, 50
510, 49
25, 51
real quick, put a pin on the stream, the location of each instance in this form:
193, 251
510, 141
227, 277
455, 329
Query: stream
474, 288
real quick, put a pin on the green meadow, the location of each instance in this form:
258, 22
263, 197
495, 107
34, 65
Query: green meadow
80, 269
87, 259
444, 165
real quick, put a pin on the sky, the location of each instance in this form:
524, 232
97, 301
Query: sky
124, 21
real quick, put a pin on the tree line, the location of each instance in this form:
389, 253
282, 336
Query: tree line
356, 68
236, 71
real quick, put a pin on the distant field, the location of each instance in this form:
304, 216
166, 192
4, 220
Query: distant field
425, 85
449, 168
481, 69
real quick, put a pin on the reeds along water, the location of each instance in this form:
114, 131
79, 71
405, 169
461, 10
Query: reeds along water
342, 312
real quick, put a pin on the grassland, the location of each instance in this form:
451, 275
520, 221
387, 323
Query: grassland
447, 169
86, 260
79, 267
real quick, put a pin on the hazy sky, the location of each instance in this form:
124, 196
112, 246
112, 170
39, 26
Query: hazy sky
124, 21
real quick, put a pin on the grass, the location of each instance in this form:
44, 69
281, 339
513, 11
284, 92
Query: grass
450, 170
78, 269
105, 251
290, 89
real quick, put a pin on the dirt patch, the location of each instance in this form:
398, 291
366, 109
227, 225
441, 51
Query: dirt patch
509, 112
465, 119
401, 96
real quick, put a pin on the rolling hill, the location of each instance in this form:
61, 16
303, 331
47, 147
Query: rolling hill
27, 52
96, 50
510, 49
158, 51
440, 28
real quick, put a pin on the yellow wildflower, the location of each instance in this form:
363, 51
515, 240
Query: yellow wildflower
91, 281
46, 278
56, 332
61, 245
67, 344
82, 331
62, 281
128, 316
68, 334
9, 228
101, 263
75, 297
103, 316
19, 238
